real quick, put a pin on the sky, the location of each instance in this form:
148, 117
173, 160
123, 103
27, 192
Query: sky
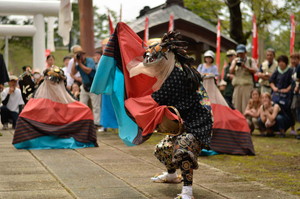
130, 8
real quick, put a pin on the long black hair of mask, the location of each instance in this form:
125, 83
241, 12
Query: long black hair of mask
172, 41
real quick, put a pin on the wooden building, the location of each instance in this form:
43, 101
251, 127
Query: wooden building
200, 34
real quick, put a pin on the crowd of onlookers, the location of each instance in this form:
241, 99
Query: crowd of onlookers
267, 94
79, 71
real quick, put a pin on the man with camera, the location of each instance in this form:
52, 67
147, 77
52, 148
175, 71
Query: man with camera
86, 67
243, 68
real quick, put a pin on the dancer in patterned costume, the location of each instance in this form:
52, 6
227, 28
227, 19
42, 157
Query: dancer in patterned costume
142, 85
181, 90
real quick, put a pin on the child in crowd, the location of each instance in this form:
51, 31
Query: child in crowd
75, 90
252, 110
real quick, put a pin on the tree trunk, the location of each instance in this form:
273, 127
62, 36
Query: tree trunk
236, 25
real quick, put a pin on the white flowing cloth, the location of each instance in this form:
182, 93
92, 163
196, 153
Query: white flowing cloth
65, 20
160, 69
54, 91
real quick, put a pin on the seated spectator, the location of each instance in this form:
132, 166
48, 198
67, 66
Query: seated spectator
75, 91
251, 113
272, 118
12, 103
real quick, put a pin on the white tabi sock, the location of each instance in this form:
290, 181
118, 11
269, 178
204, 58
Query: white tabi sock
187, 190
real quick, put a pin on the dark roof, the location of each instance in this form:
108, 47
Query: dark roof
161, 14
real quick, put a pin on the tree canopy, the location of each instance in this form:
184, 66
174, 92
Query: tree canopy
273, 19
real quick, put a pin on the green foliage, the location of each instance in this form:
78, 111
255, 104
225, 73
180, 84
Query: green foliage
207, 9
273, 19
101, 26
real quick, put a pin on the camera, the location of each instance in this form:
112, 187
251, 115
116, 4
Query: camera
239, 62
78, 56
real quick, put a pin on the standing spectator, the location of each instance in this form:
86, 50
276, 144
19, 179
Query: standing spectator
86, 68
252, 110
282, 85
50, 61
243, 68
26, 83
12, 103
77, 76
272, 118
70, 80
228, 92
208, 67
97, 57
266, 70
295, 105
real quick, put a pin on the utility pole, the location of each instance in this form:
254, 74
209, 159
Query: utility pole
86, 19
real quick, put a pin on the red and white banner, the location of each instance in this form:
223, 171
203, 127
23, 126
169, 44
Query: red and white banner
254, 39
218, 44
111, 26
146, 31
293, 34
171, 22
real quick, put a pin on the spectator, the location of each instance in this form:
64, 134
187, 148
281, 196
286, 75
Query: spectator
86, 68
282, 85
295, 105
208, 66
222, 86
97, 57
252, 110
228, 92
37, 78
272, 118
75, 91
77, 76
50, 61
70, 80
26, 83
12, 103
266, 70
243, 68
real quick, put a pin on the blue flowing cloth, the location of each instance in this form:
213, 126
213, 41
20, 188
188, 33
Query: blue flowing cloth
109, 80
108, 116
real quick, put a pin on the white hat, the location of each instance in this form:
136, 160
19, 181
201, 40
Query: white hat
209, 53
13, 77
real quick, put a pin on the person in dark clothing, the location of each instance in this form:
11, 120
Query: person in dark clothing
282, 85
228, 92
182, 90
3, 73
